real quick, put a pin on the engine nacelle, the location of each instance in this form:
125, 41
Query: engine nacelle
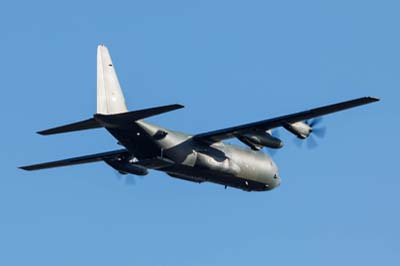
258, 140
126, 167
299, 129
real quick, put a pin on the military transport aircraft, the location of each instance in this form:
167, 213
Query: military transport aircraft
197, 158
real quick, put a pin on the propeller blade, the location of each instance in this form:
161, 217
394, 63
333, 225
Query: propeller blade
311, 143
298, 142
315, 121
319, 132
118, 175
130, 180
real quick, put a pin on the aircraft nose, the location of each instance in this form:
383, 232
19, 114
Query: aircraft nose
273, 178
273, 182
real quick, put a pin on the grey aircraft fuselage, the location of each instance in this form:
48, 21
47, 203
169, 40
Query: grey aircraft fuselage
196, 161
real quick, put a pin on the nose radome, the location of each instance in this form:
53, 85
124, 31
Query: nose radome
274, 179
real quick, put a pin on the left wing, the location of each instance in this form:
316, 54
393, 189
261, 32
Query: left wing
78, 160
233, 132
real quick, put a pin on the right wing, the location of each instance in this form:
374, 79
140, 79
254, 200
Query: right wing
79, 160
264, 125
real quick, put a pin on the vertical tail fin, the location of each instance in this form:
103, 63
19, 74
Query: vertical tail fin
111, 107
110, 99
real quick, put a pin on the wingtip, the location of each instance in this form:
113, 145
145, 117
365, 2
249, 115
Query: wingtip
26, 168
373, 98
45, 132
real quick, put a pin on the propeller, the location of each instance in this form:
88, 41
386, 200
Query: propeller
319, 132
128, 179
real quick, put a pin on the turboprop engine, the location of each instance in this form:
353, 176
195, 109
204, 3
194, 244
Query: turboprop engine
300, 129
258, 140
127, 167
304, 129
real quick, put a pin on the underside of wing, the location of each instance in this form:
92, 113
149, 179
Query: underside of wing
78, 160
264, 125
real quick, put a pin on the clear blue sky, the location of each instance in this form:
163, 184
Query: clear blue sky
229, 62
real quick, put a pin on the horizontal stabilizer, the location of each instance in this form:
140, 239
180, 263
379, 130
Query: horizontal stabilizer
115, 120
78, 160
82, 125
118, 120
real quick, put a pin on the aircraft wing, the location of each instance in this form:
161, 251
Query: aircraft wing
78, 160
232, 132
